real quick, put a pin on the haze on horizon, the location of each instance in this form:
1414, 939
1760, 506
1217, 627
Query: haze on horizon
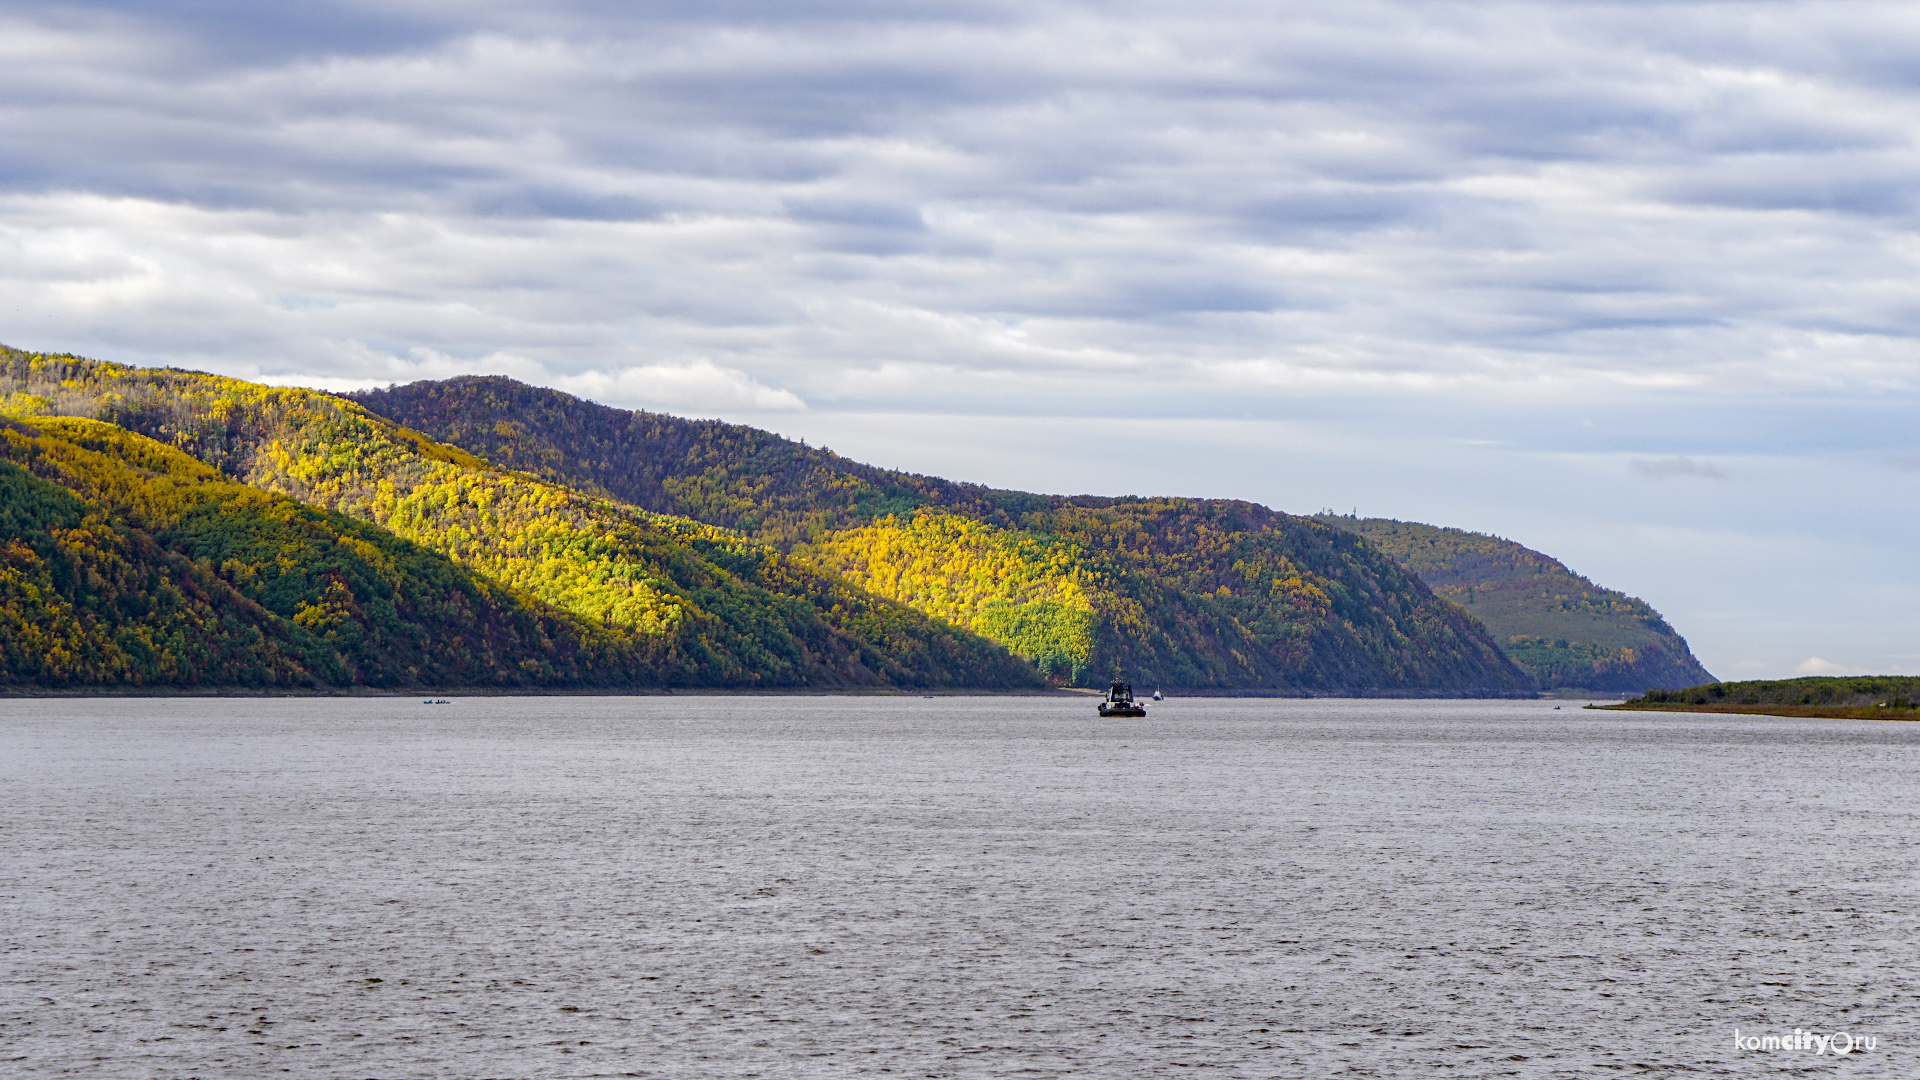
1631, 283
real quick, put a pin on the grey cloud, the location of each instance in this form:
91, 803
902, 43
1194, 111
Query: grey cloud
1838, 182
863, 212
1553, 194
861, 227
562, 204
1310, 212
234, 33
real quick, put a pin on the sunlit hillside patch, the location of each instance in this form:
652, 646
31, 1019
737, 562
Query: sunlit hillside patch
132, 564
1018, 588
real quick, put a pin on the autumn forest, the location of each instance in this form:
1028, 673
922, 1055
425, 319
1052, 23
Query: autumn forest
167, 529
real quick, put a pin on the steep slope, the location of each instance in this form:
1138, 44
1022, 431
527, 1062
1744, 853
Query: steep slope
1561, 628
85, 601
129, 563
1184, 593
703, 606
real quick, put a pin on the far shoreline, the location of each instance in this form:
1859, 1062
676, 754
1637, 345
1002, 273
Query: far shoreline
28, 693
1816, 712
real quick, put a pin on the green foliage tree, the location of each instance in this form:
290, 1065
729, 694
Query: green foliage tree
729, 556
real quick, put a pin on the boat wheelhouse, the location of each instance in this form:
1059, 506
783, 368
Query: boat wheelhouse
1120, 702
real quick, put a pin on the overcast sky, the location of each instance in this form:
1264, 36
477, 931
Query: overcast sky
1632, 283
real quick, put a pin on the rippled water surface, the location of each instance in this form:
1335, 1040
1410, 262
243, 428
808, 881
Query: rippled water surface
697, 887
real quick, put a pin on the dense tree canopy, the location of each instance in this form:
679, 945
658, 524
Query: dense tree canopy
663, 601
598, 546
130, 563
1186, 593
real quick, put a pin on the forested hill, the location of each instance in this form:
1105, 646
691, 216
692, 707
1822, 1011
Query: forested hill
605, 548
1181, 593
730, 475
128, 563
388, 559
1563, 629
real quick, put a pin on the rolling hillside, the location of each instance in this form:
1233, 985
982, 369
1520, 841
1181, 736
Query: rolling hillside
664, 601
1562, 629
129, 563
651, 550
1183, 593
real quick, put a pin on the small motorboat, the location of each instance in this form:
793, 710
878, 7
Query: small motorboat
1119, 702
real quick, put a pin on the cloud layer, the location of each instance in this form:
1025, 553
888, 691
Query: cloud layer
1424, 223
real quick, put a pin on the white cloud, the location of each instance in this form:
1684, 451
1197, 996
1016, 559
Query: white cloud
1814, 665
700, 388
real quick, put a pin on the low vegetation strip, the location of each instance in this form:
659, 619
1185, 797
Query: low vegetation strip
1833, 712
1861, 697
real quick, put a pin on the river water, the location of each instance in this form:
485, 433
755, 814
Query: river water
722, 887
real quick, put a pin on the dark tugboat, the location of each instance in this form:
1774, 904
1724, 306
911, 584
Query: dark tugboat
1120, 702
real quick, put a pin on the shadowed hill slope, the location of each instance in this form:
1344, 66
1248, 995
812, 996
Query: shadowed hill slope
1185, 593
1564, 630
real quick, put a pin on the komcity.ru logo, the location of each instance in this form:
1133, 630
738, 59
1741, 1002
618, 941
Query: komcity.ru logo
1838, 1042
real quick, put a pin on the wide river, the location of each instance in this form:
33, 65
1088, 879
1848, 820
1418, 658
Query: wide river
720, 887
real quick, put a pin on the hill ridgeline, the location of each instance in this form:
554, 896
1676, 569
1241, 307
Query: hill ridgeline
175, 529
1186, 594
1564, 630
566, 590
